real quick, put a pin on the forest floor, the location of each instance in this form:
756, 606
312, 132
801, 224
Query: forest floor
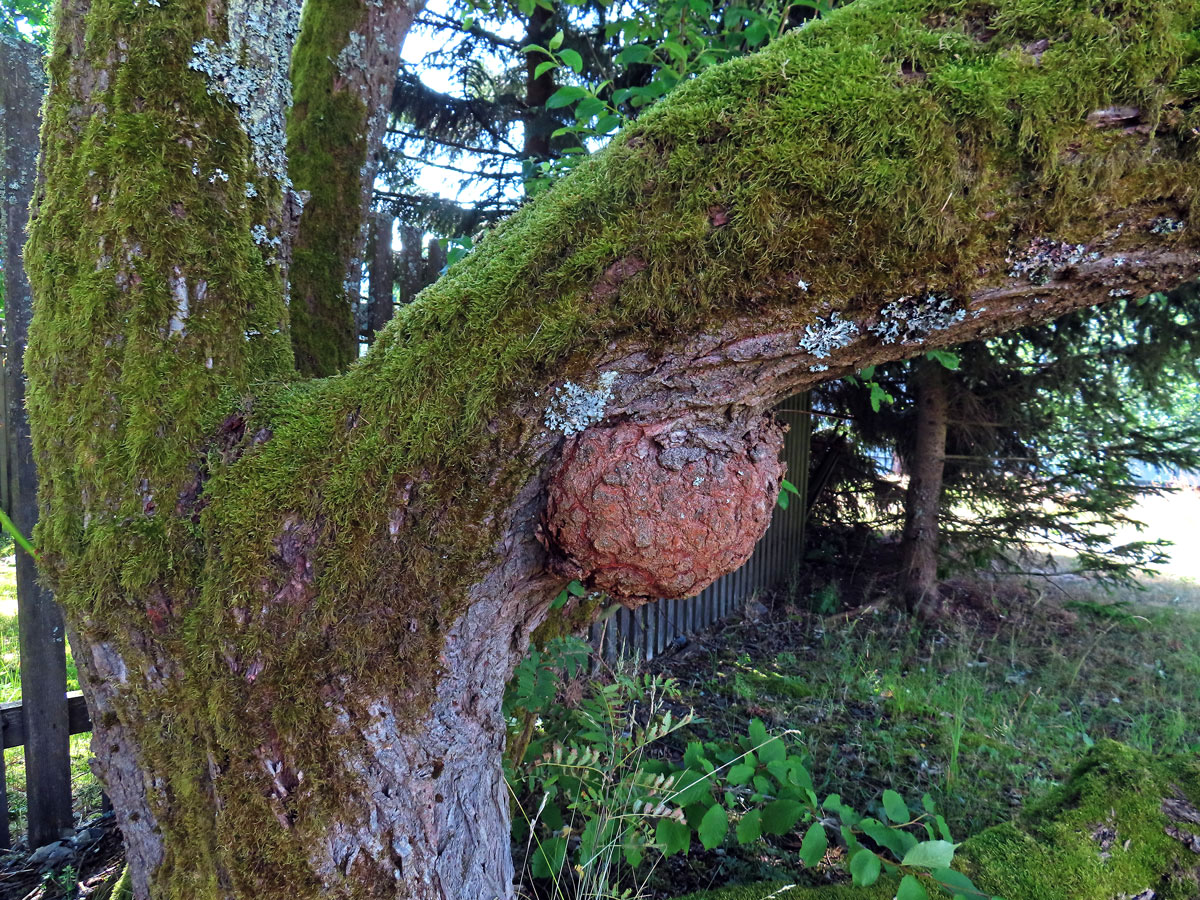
984, 710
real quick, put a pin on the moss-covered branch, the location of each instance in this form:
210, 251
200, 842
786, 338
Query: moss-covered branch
1123, 825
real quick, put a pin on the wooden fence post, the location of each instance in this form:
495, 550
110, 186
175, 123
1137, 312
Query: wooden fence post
42, 639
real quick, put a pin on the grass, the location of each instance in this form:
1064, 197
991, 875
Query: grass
986, 713
987, 710
85, 788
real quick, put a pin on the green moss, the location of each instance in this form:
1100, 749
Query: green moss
1052, 852
327, 149
265, 544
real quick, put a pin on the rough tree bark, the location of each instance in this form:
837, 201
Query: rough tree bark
922, 504
295, 603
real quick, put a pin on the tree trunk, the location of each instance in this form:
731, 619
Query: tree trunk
922, 502
538, 88
296, 603
344, 69
380, 303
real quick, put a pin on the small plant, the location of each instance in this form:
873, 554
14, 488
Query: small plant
602, 796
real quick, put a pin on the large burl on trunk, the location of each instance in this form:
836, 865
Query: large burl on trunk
295, 602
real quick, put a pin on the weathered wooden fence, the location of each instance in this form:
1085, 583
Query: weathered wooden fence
44, 719
655, 627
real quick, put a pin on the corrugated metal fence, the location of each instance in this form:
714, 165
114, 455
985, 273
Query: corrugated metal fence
653, 628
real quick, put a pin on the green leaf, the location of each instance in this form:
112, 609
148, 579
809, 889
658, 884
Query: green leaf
758, 733
772, 751
895, 807
589, 107
694, 758
565, 96
868, 373
691, 786
943, 827
950, 360
779, 771
911, 889
930, 855
608, 123
814, 845
882, 835
865, 868
672, 836
572, 59
576, 588
548, 857
789, 487
927, 804
634, 53
878, 395
959, 883
713, 827
556, 41
676, 50
783, 500
526, 7
749, 829
632, 848
740, 774
544, 67
780, 816
798, 775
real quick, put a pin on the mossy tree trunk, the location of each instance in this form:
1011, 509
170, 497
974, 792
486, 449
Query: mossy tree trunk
295, 603
922, 503
347, 56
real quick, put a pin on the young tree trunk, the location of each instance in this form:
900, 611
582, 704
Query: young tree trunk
380, 303
922, 503
296, 603
344, 69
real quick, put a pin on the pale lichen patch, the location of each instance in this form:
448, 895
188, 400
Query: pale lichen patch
827, 335
909, 319
252, 72
575, 407
1043, 257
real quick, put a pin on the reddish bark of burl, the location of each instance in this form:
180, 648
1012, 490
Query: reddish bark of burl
660, 510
